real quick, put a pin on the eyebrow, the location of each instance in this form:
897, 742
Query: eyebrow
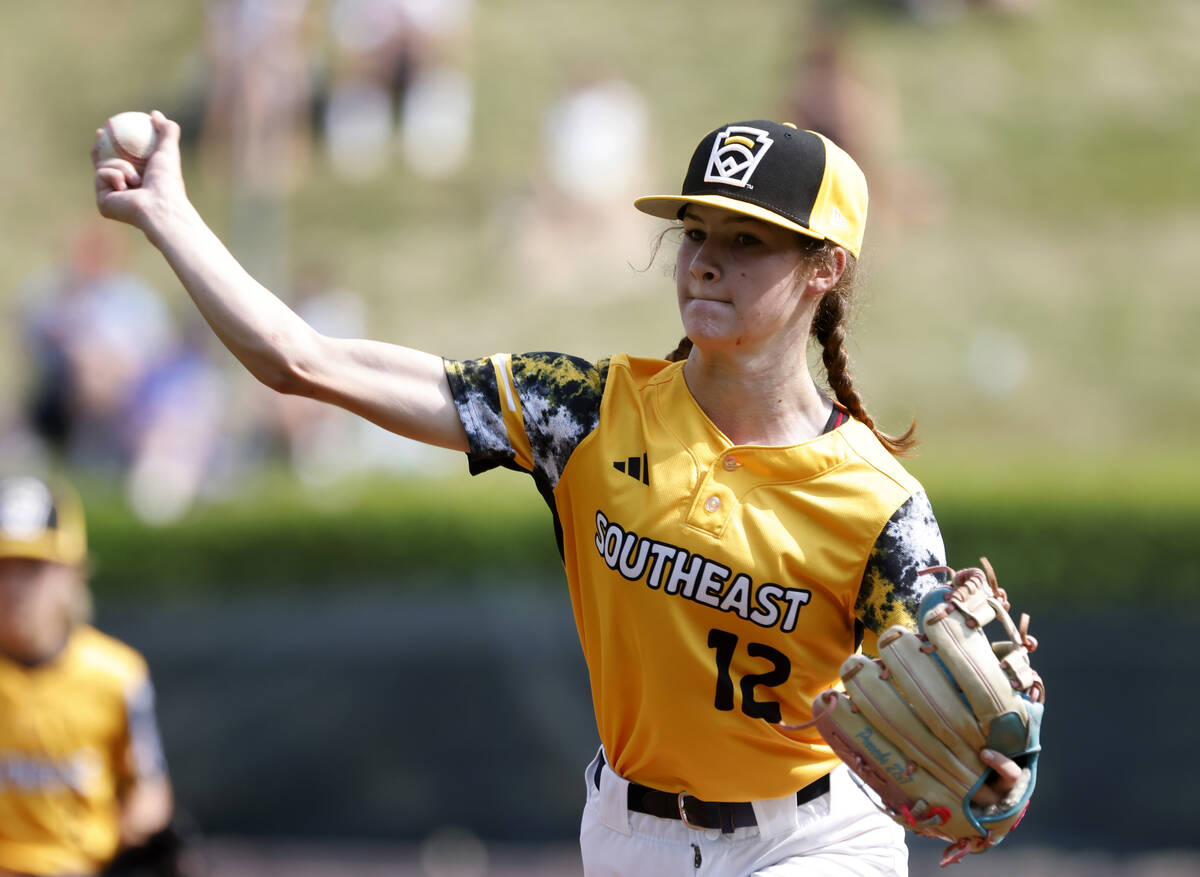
688, 212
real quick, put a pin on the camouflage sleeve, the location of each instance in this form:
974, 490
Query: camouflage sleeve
527, 411
891, 587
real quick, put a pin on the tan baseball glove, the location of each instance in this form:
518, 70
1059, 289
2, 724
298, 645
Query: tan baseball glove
911, 724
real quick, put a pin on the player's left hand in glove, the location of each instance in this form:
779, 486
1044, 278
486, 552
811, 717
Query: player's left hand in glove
914, 723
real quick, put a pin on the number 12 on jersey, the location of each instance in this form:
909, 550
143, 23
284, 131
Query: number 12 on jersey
725, 644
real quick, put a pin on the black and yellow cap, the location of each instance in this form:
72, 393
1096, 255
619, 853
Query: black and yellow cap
41, 520
778, 173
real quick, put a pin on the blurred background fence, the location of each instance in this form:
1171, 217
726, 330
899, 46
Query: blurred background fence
391, 719
351, 639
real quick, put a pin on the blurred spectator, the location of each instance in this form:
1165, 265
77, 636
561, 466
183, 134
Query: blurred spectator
399, 77
594, 136
82, 773
257, 123
176, 421
93, 332
833, 92
830, 93
115, 389
595, 143
942, 11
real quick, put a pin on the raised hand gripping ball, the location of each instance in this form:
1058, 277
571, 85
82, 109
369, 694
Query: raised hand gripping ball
130, 136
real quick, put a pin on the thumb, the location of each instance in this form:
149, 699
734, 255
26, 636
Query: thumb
168, 138
167, 130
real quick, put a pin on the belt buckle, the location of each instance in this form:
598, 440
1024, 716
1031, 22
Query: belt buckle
683, 814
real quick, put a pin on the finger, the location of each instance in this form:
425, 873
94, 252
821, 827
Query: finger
1008, 772
110, 179
129, 171
985, 796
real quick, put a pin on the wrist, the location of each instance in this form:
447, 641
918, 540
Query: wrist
169, 223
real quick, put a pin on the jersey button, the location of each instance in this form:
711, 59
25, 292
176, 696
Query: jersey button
712, 503
731, 463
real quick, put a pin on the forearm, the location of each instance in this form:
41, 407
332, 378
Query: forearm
265, 335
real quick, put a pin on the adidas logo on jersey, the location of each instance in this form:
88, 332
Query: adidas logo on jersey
637, 468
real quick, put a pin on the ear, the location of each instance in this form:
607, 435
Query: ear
826, 273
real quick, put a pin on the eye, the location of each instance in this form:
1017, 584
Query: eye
695, 235
745, 239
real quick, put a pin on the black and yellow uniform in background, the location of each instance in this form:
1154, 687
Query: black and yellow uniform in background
73, 731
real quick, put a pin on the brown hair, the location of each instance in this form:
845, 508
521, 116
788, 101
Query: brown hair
829, 329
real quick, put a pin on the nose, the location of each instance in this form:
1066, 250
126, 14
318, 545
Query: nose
705, 265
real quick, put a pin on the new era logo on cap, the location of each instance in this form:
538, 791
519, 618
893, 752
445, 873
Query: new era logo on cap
736, 152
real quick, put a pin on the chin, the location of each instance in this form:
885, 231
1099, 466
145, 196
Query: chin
703, 325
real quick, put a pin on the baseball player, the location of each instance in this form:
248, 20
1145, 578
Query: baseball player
730, 532
82, 773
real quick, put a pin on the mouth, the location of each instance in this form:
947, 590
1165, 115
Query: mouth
711, 298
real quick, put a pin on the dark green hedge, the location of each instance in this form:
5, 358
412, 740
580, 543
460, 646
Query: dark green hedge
390, 534
1069, 549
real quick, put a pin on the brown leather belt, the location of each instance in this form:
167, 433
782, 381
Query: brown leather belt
704, 814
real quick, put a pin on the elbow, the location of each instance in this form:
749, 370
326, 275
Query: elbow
287, 369
284, 377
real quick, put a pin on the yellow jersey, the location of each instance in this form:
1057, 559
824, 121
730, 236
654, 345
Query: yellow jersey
73, 731
716, 588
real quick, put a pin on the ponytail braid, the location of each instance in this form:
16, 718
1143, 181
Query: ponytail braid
681, 351
829, 328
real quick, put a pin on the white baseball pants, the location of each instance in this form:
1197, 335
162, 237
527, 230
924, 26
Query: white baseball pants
839, 834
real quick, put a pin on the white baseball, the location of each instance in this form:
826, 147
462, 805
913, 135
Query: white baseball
130, 136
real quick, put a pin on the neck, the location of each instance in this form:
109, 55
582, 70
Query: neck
758, 402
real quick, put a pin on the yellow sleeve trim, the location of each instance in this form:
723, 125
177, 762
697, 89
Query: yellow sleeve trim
510, 409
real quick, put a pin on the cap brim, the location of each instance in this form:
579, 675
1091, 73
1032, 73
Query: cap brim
34, 549
668, 207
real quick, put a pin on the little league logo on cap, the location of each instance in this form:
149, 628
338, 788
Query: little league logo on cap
779, 174
26, 509
736, 152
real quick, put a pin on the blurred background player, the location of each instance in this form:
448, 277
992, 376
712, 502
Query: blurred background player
82, 772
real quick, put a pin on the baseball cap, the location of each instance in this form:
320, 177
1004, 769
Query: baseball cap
778, 173
41, 521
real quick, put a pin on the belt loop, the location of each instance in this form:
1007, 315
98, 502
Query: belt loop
612, 795
777, 816
727, 821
